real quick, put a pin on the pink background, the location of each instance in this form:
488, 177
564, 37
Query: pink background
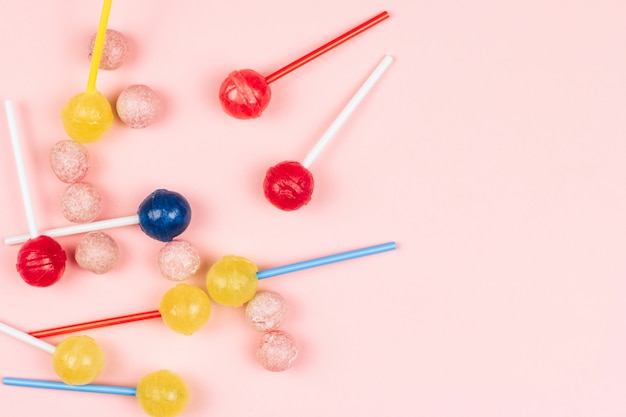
492, 151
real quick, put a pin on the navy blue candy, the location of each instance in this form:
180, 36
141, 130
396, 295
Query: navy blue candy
164, 214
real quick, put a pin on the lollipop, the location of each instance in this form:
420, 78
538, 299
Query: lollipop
162, 215
289, 184
138, 106
276, 350
77, 360
244, 94
69, 161
41, 260
160, 394
228, 289
88, 116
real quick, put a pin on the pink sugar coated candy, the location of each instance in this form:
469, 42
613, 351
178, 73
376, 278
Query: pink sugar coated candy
276, 350
96, 252
138, 106
69, 161
81, 202
266, 311
178, 260
114, 52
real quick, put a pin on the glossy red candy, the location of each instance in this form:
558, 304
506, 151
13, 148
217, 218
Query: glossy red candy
41, 261
245, 94
288, 185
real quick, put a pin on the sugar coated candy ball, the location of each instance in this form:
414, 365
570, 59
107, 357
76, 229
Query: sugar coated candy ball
96, 252
69, 161
288, 185
87, 117
266, 311
276, 350
41, 261
81, 202
78, 360
232, 281
138, 106
114, 51
164, 214
162, 394
185, 309
178, 260
245, 94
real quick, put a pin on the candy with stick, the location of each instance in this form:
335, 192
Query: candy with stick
162, 215
160, 394
77, 360
245, 94
88, 116
288, 185
41, 260
229, 288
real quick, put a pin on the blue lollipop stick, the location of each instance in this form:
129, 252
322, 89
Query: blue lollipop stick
39, 383
343, 256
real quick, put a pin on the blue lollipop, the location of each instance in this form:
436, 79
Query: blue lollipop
162, 215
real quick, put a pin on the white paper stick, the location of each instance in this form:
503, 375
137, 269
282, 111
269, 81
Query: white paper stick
347, 110
78, 228
21, 170
26, 338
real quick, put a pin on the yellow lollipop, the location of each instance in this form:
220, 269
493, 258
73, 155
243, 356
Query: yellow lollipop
232, 281
78, 360
88, 116
160, 394
185, 309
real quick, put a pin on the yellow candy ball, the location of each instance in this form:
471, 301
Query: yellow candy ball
87, 117
185, 309
162, 394
78, 360
232, 281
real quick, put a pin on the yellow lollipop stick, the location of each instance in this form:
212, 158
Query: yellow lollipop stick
88, 116
98, 46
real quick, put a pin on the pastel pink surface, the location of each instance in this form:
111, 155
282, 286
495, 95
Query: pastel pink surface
491, 151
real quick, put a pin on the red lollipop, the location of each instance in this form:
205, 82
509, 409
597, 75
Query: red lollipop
244, 94
288, 185
41, 260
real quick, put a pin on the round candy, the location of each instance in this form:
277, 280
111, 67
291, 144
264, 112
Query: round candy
245, 94
164, 214
185, 309
87, 117
276, 350
69, 161
266, 311
138, 106
78, 360
232, 281
41, 261
114, 51
81, 202
162, 394
96, 252
288, 185
178, 260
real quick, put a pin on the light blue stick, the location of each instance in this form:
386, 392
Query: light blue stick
357, 253
100, 389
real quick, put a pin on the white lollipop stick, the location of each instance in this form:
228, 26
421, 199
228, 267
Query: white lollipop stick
347, 110
21, 171
78, 228
26, 338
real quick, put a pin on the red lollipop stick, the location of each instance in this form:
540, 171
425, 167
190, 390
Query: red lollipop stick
244, 94
97, 323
